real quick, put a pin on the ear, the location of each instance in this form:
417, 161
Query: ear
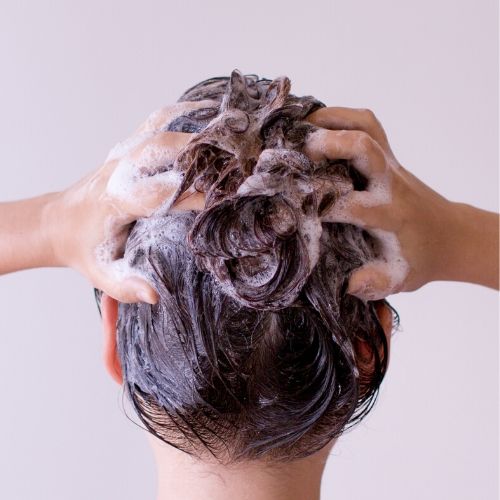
109, 311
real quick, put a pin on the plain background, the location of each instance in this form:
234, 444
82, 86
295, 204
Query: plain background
76, 77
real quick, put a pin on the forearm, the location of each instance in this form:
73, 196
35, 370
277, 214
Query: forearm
24, 234
472, 246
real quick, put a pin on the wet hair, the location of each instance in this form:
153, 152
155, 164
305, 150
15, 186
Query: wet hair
254, 350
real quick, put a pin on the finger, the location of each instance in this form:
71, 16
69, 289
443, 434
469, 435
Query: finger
372, 281
360, 208
126, 146
139, 140
189, 200
173, 140
144, 179
148, 194
342, 118
157, 192
383, 276
158, 153
353, 145
122, 283
344, 209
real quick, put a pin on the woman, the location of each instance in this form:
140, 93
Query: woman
267, 242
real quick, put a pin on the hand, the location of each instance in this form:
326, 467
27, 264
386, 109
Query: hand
419, 231
89, 222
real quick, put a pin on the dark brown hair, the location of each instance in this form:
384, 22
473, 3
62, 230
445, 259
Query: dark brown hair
254, 349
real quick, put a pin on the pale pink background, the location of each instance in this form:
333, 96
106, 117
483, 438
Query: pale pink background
77, 76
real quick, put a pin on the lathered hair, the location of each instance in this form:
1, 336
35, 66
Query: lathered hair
254, 349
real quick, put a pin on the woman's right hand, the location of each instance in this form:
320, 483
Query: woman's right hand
89, 222
423, 236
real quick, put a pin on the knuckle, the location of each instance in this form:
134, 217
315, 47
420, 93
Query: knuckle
368, 115
364, 140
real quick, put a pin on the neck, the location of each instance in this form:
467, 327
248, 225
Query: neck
183, 477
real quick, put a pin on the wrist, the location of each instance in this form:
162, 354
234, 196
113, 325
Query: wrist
50, 230
469, 246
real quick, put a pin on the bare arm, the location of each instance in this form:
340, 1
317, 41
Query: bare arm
473, 250
24, 241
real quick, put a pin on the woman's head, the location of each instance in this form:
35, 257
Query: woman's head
254, 349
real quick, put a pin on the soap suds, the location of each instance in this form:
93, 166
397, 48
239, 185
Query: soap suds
199, 365
160, 118
135, 181
378, 191
118, 267
124, 147
268, 156
156, 121
395, 266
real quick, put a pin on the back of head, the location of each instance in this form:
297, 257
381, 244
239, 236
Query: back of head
254, 349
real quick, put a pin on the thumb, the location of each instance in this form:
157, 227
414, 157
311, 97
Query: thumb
124, 285
372, 281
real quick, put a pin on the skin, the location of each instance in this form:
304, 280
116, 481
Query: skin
40, 232
193, 479
439, 239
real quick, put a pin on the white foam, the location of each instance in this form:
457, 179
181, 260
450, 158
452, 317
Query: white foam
378, 191
105, 255
267, 184
154, 123
160, 117
154, 155
267, 273
157, 229
311, 229
124, 147
121, 269
395, 266
121, 181
132, 183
